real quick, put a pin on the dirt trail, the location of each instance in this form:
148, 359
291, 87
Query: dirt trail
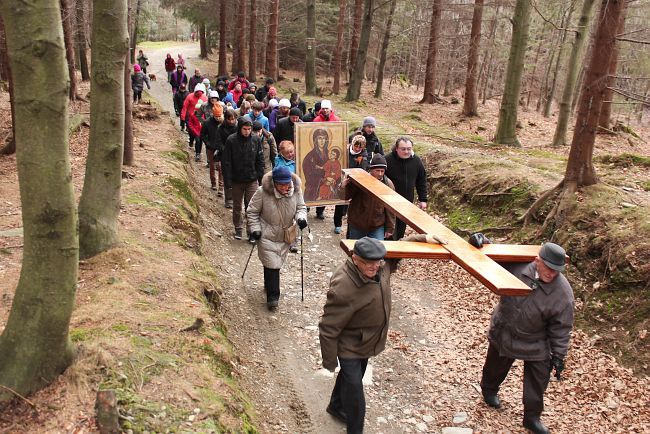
430, 370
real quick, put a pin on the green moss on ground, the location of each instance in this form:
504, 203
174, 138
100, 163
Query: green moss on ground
624, 160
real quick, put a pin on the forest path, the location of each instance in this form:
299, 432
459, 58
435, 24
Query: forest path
430, 370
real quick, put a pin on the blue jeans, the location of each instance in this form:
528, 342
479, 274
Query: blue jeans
357, 234
347, 396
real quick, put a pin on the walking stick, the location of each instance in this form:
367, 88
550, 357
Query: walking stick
249, 259
302, 272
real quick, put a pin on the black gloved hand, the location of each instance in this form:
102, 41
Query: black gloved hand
302, 223
557, 362
478, 239
256, 235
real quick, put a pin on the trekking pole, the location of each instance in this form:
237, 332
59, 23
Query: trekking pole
249, 259
302, 272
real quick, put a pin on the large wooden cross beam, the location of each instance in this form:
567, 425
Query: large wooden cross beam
476, 261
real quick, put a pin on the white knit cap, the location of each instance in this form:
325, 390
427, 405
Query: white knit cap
285, 103
273, 103
199, 87
326, 104
214, 94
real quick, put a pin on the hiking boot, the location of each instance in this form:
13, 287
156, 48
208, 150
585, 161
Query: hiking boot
535, 425
491, 399
251, 239
197, 157
228, 204
238, 234
337, 230
337, 414
272, 305
320, 216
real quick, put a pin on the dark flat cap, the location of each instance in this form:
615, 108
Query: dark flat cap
369, 248
553, 256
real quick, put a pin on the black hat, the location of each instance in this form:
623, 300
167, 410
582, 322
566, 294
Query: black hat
317, 106
553, 256
269, 81
369, 248
378, 161
241, 74
295, 111
257, 125
243, 122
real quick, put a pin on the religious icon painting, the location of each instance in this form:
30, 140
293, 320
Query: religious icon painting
321, 156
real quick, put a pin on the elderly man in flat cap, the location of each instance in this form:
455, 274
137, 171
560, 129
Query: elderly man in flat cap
535, 328
354, 324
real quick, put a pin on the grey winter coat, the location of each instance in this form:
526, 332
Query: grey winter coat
138, 80
270, 213
536, 326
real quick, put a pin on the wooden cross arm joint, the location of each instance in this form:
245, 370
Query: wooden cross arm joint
473, 260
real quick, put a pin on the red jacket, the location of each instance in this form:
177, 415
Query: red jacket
236, 95
332, 118
244, 84
170, 64
187, 113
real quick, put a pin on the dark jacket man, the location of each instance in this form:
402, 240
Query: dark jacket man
284, 130
243, 158
535, 328
365, 211
260, 93
407, 172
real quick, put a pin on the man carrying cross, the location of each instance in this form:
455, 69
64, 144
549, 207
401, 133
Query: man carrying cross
535, 329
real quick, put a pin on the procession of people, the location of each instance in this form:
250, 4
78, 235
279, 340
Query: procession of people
249, 134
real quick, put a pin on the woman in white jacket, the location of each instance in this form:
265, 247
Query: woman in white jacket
274, 213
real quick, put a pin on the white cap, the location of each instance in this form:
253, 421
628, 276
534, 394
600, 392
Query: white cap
273, 102
326, 104
214, 94
206, 81
285, 103
199, 87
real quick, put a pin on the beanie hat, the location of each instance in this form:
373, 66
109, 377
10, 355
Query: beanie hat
295, 112
199, 87
214, 94
369, 248
257, 125
273, 103
241, 74
217, 110
269, 81
281, 175
206, 81
285, 103
182, 86
243, 122
378, 162
369, 121
137, 68
252, 85
221, 83
326, 104
554, 256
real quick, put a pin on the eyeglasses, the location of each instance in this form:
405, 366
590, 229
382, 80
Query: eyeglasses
379, 263
404, 149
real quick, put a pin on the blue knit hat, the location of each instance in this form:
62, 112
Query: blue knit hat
281, 175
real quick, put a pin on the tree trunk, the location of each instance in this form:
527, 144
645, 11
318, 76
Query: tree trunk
430, 75
99, 206
487, 56
239, 53
606, 111
384, 50
541, 42
203, 45
82, 43
575, 59
558, 62
272, 41
506, 130
134, 33
223, 31
34, 346
543, 95
355, 36
252, 43
10, 147
580, 169
66, 18
338, 49
310, 49
354, 89
128, 115
470, 105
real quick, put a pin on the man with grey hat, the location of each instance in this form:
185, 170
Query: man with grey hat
534, 328
354, 326
373, 145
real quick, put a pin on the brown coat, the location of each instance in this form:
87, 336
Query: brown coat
538, 325
355, 318
366, 212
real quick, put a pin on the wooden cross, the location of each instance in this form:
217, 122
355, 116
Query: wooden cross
480, 263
